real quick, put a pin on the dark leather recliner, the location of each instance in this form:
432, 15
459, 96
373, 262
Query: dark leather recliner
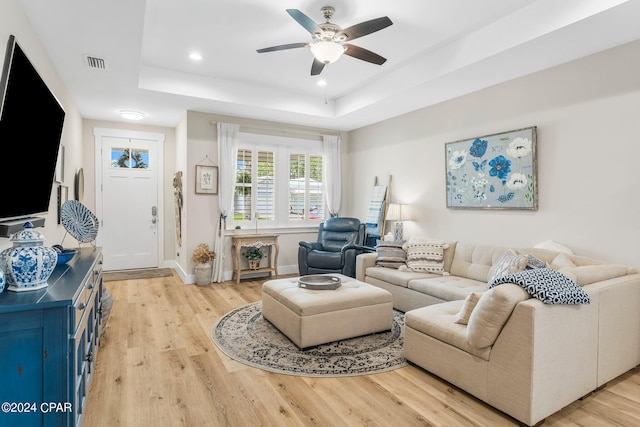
339, 243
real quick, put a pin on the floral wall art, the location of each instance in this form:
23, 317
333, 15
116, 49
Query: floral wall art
493, 171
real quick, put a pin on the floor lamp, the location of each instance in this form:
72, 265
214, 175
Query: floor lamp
397, 213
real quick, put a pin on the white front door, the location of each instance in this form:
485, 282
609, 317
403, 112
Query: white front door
129, 211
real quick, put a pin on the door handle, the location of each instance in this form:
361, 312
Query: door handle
154, 212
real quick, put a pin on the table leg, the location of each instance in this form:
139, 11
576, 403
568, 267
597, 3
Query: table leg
237, 264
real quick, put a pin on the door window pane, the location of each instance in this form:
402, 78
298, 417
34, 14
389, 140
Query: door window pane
133, 158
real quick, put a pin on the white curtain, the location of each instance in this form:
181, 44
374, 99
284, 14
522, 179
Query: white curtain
333, 174
227, 154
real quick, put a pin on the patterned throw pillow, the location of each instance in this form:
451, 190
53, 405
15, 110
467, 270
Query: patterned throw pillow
533, 262
548, 285
425, 256
510, 263
390, 254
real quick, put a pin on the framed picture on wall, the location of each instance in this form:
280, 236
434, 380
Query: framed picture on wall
206, 179
63, 196
60, 165
496, 171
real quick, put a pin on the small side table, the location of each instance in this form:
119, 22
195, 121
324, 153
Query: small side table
257, 241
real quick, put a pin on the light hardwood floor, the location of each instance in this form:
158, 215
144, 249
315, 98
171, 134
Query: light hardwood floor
157, 366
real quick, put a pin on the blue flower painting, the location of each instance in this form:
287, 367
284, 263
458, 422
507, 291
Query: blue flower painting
493, 172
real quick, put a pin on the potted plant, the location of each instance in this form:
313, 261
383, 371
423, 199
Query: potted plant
253, 255
203, 256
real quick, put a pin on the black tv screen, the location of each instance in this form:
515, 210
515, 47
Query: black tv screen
31, 120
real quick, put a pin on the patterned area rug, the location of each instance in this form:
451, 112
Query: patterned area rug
244, 335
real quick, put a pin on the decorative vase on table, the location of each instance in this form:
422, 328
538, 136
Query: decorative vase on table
203, 273
254, 264
29, 263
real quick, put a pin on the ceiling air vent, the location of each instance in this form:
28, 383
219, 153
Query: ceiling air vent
95, 62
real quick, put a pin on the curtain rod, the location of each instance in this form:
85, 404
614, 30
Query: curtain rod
316, 136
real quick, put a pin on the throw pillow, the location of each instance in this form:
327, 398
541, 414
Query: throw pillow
390, 254
492, 312
470, 302
548, 285
509, 263
425, 256
533, 262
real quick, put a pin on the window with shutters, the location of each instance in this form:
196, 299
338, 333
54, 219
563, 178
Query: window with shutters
279, 182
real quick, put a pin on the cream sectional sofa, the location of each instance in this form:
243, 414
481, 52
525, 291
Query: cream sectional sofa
522, 356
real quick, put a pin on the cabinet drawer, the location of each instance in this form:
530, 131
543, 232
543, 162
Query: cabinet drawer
80, 305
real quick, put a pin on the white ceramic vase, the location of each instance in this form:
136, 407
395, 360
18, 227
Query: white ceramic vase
203, 273
28, 264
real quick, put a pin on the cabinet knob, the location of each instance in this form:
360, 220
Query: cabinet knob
81, 306
89, 357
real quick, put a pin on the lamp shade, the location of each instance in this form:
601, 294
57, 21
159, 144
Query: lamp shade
327, 52
397, 212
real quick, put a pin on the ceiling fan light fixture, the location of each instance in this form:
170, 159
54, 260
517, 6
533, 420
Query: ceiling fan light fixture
132, 115
327, 52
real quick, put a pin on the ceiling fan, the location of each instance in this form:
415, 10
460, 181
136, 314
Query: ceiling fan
329, 39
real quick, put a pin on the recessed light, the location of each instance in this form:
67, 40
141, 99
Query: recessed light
321, 83
195, 56
132, 115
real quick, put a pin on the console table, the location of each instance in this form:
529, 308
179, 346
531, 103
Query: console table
48, 344
256, 241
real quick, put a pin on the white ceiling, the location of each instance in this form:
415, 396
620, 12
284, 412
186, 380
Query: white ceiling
435, 49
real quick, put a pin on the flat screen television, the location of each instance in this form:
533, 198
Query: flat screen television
31, 120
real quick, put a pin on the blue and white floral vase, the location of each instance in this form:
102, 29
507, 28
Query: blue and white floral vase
28, 264
2, 281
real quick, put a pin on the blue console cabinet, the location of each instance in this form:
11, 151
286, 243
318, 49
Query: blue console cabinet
48, 344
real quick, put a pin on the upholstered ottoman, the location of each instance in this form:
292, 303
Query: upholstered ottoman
312, 317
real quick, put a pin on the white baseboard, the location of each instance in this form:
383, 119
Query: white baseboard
190, 279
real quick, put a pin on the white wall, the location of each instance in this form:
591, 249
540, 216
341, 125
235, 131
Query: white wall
13, 21
586, 114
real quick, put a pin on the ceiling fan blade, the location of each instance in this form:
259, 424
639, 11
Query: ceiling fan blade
305, 21
317, 67
364, 28
282, 47
363, 54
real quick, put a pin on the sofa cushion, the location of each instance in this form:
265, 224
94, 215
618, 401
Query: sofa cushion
474, 261
425, 255
491, 313
548, 285
438, 321
390, 254
587, 274
469, 304
448, 288
396, 276
560, 261
553, 246
509, 263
